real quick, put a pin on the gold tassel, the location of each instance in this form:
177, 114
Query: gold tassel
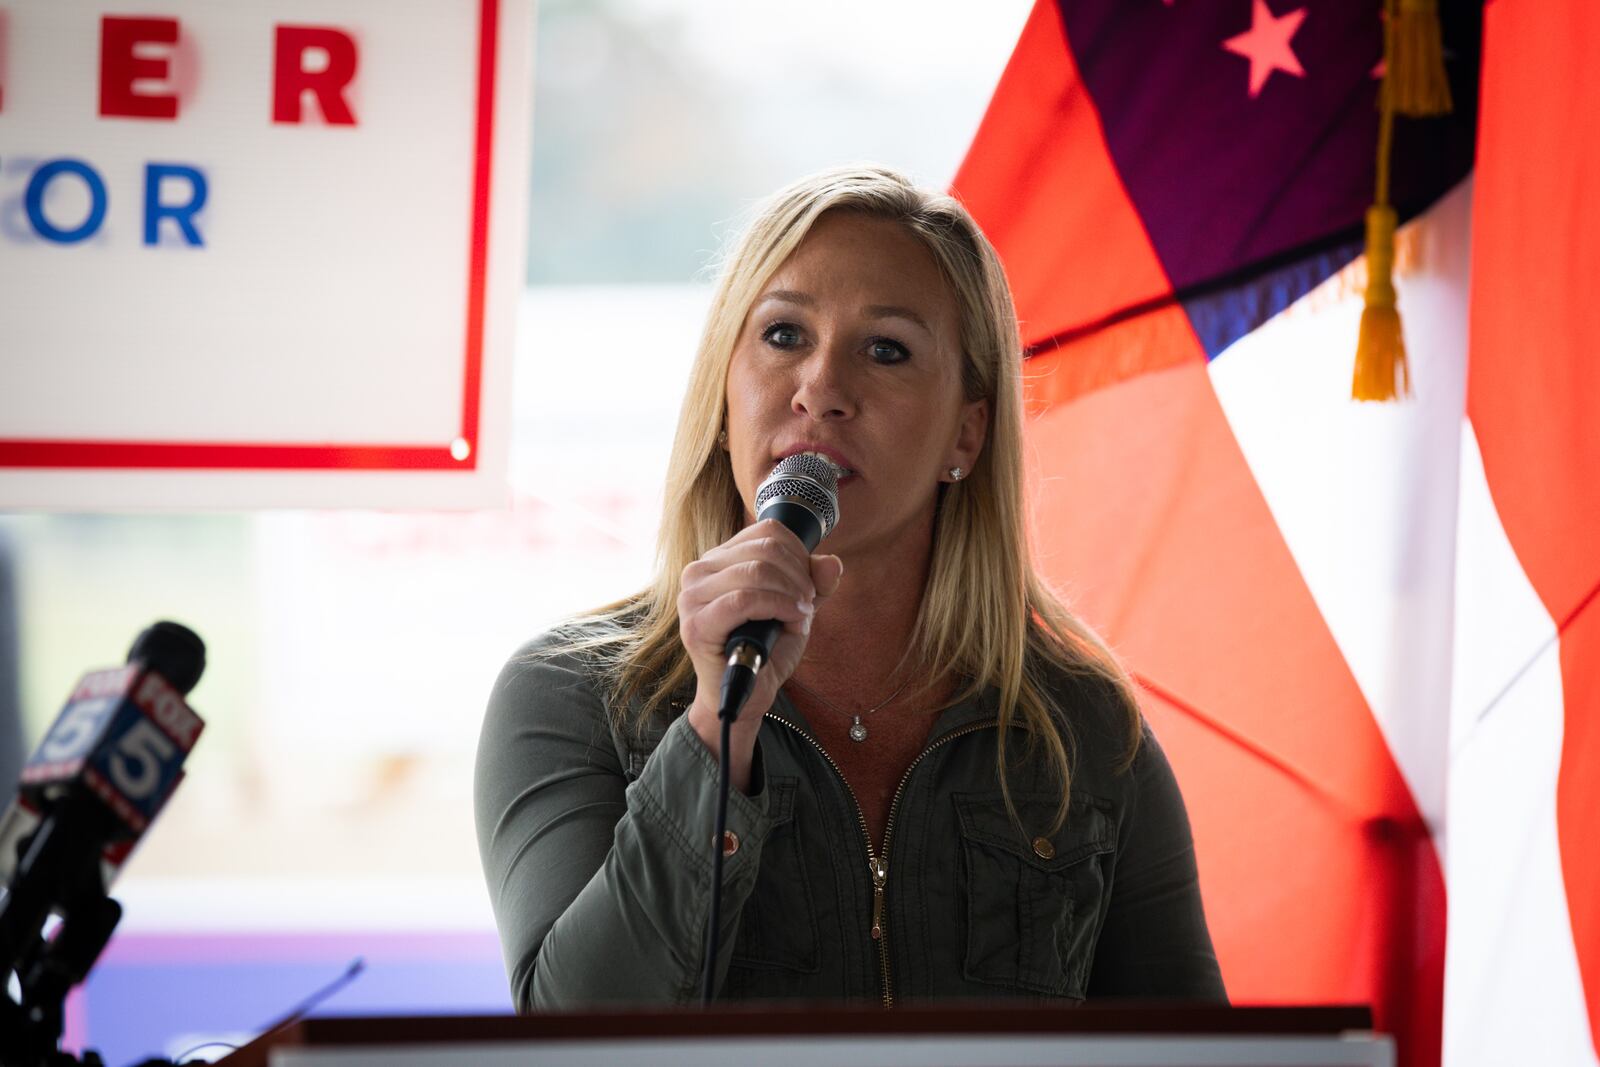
1381, 372
1415, 71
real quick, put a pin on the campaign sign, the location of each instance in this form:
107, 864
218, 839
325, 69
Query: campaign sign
259, 252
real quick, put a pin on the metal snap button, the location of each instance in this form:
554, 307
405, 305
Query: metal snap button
730, 842
1043, 848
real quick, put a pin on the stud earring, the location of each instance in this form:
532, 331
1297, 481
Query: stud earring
722, 438
956, 474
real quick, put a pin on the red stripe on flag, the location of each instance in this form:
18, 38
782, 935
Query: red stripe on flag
1534, 383
1040, 179
1578, 795
1320, 876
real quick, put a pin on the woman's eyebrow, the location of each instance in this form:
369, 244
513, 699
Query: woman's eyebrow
789, 296
871, 311
890, 311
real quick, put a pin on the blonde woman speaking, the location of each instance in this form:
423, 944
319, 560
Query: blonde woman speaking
942, 786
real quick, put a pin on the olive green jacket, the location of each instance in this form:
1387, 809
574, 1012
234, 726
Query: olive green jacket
597, 848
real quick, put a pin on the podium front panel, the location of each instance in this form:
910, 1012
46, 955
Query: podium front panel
968, 1050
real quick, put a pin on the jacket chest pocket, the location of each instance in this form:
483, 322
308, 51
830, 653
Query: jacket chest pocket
778, 925
1033, 898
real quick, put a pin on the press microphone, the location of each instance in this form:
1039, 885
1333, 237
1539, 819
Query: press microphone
105, 768
125, 732
802, 493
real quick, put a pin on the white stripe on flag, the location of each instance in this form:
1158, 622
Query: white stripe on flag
1512, 988
1365, 494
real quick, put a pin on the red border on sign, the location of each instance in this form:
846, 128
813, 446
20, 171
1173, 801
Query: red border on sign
225, 455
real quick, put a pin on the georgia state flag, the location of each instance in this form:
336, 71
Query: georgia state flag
1367, 633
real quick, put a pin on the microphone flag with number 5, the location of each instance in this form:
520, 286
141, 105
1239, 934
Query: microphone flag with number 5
1357, 626
124, 733
123, 737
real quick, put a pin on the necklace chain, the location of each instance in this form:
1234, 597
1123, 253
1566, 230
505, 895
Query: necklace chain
858, 730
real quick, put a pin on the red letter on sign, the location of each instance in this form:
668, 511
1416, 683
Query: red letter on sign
120, 68
291, 78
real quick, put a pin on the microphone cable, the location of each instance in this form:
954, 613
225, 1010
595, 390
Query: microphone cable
708, 987
802, 493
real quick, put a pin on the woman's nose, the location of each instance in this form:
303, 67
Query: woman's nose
824, 391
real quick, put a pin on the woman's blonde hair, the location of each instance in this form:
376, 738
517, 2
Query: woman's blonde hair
985, 614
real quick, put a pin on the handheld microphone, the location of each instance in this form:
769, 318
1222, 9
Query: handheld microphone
802, 493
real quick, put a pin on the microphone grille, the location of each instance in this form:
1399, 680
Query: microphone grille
806, 479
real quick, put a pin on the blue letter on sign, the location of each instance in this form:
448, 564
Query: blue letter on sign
183, 214
33, 201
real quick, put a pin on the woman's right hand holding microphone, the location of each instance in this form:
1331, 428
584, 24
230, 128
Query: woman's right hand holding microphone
761, 572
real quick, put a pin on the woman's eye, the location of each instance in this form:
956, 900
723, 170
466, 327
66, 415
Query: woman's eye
883, 350
782, 335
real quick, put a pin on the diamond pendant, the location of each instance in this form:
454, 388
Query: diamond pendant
857, 731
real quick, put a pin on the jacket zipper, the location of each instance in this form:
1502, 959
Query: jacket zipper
878, 865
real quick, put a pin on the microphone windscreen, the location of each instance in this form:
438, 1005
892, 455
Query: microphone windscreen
173, 651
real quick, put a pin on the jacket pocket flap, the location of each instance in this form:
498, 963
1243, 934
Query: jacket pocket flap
1089, 829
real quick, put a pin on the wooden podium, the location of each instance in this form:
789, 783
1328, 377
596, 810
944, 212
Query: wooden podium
958, 1034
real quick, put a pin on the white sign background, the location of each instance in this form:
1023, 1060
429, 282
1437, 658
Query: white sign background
341, 336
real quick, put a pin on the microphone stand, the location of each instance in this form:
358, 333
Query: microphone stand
55, 872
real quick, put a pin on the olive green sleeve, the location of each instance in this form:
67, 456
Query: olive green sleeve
1155, 942
600, 887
